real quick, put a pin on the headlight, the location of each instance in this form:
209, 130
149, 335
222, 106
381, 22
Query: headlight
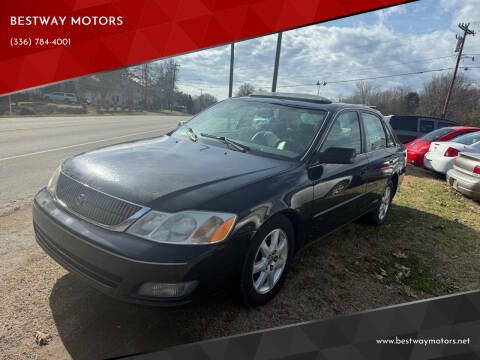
187, 227
52, 183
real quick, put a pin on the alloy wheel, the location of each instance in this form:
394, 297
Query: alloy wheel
270, 261
384, 203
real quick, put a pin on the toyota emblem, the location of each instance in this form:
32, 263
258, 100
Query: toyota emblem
81, 199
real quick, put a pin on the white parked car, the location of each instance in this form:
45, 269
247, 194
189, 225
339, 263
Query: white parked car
441, 155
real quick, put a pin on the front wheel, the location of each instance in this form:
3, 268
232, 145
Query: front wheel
267, 262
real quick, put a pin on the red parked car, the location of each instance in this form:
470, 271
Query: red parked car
417, 148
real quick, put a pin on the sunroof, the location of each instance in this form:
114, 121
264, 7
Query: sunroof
293, 96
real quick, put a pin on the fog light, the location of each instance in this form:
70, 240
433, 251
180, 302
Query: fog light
154, 289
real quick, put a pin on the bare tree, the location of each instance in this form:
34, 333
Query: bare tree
463, 98
364, 91
245, 90
203, 101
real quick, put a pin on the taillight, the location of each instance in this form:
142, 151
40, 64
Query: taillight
454, 162
451, 152
476, 170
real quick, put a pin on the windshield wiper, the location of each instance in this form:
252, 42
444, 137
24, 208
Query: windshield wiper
236, 145
192, 135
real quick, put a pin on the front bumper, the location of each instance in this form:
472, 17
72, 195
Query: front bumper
117, 263
466, 184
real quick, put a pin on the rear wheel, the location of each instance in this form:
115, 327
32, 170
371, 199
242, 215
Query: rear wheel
383, 208
267, 262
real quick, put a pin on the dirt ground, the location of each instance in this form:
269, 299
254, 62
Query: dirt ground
424, 249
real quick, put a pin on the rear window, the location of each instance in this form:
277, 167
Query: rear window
436, 134
426, 125
467, 139
406, 123
444, 124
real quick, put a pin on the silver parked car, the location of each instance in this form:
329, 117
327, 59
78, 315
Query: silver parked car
62, 97
465, 175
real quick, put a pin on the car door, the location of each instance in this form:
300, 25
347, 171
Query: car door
339, 189
381, 154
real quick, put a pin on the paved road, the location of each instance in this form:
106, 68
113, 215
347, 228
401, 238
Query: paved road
31, 148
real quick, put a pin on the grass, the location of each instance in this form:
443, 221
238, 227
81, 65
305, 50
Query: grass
91, 111
431, 237
438, 229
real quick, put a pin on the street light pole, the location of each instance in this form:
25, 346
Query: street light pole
232, 57
277, 61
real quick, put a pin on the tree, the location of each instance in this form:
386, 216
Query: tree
390, 101
462, 100
203, 101
364, 91
411, 102
245, 90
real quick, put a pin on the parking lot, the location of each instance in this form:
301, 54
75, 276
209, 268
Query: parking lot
429, 246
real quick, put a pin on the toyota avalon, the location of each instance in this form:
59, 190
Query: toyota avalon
227, 198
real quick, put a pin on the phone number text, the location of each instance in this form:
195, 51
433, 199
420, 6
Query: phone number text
14, 41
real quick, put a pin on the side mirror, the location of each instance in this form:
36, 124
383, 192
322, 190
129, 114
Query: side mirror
336, 155
181, 123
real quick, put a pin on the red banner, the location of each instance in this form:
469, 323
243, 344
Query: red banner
43, 42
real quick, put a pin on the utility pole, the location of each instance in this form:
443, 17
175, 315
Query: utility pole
146, 85
466, 31
277, 61
232, 57
319, 84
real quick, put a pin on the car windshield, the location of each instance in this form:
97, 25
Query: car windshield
468, 139
436, 134
267, 129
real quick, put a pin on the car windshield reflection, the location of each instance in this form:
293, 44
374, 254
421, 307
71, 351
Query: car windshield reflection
265, 128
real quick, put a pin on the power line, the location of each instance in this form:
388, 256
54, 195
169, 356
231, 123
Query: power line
373, 68
380, 77
327, 82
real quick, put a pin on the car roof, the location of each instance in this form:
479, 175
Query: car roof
421, 116
459, 128
304, 100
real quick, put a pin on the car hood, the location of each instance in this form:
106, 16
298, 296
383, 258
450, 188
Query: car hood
159, 172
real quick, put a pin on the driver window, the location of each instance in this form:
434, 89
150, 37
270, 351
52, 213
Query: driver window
345, 133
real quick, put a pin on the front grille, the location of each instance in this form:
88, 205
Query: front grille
92, 204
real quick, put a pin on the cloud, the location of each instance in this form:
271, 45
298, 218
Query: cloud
334, 52
463, 11
384, 14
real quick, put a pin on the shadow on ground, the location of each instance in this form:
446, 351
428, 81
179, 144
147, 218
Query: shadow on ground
334, 276
423, 173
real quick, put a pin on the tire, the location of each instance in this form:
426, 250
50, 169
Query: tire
260, 286
382, 210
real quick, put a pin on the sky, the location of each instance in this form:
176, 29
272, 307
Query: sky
413, 37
